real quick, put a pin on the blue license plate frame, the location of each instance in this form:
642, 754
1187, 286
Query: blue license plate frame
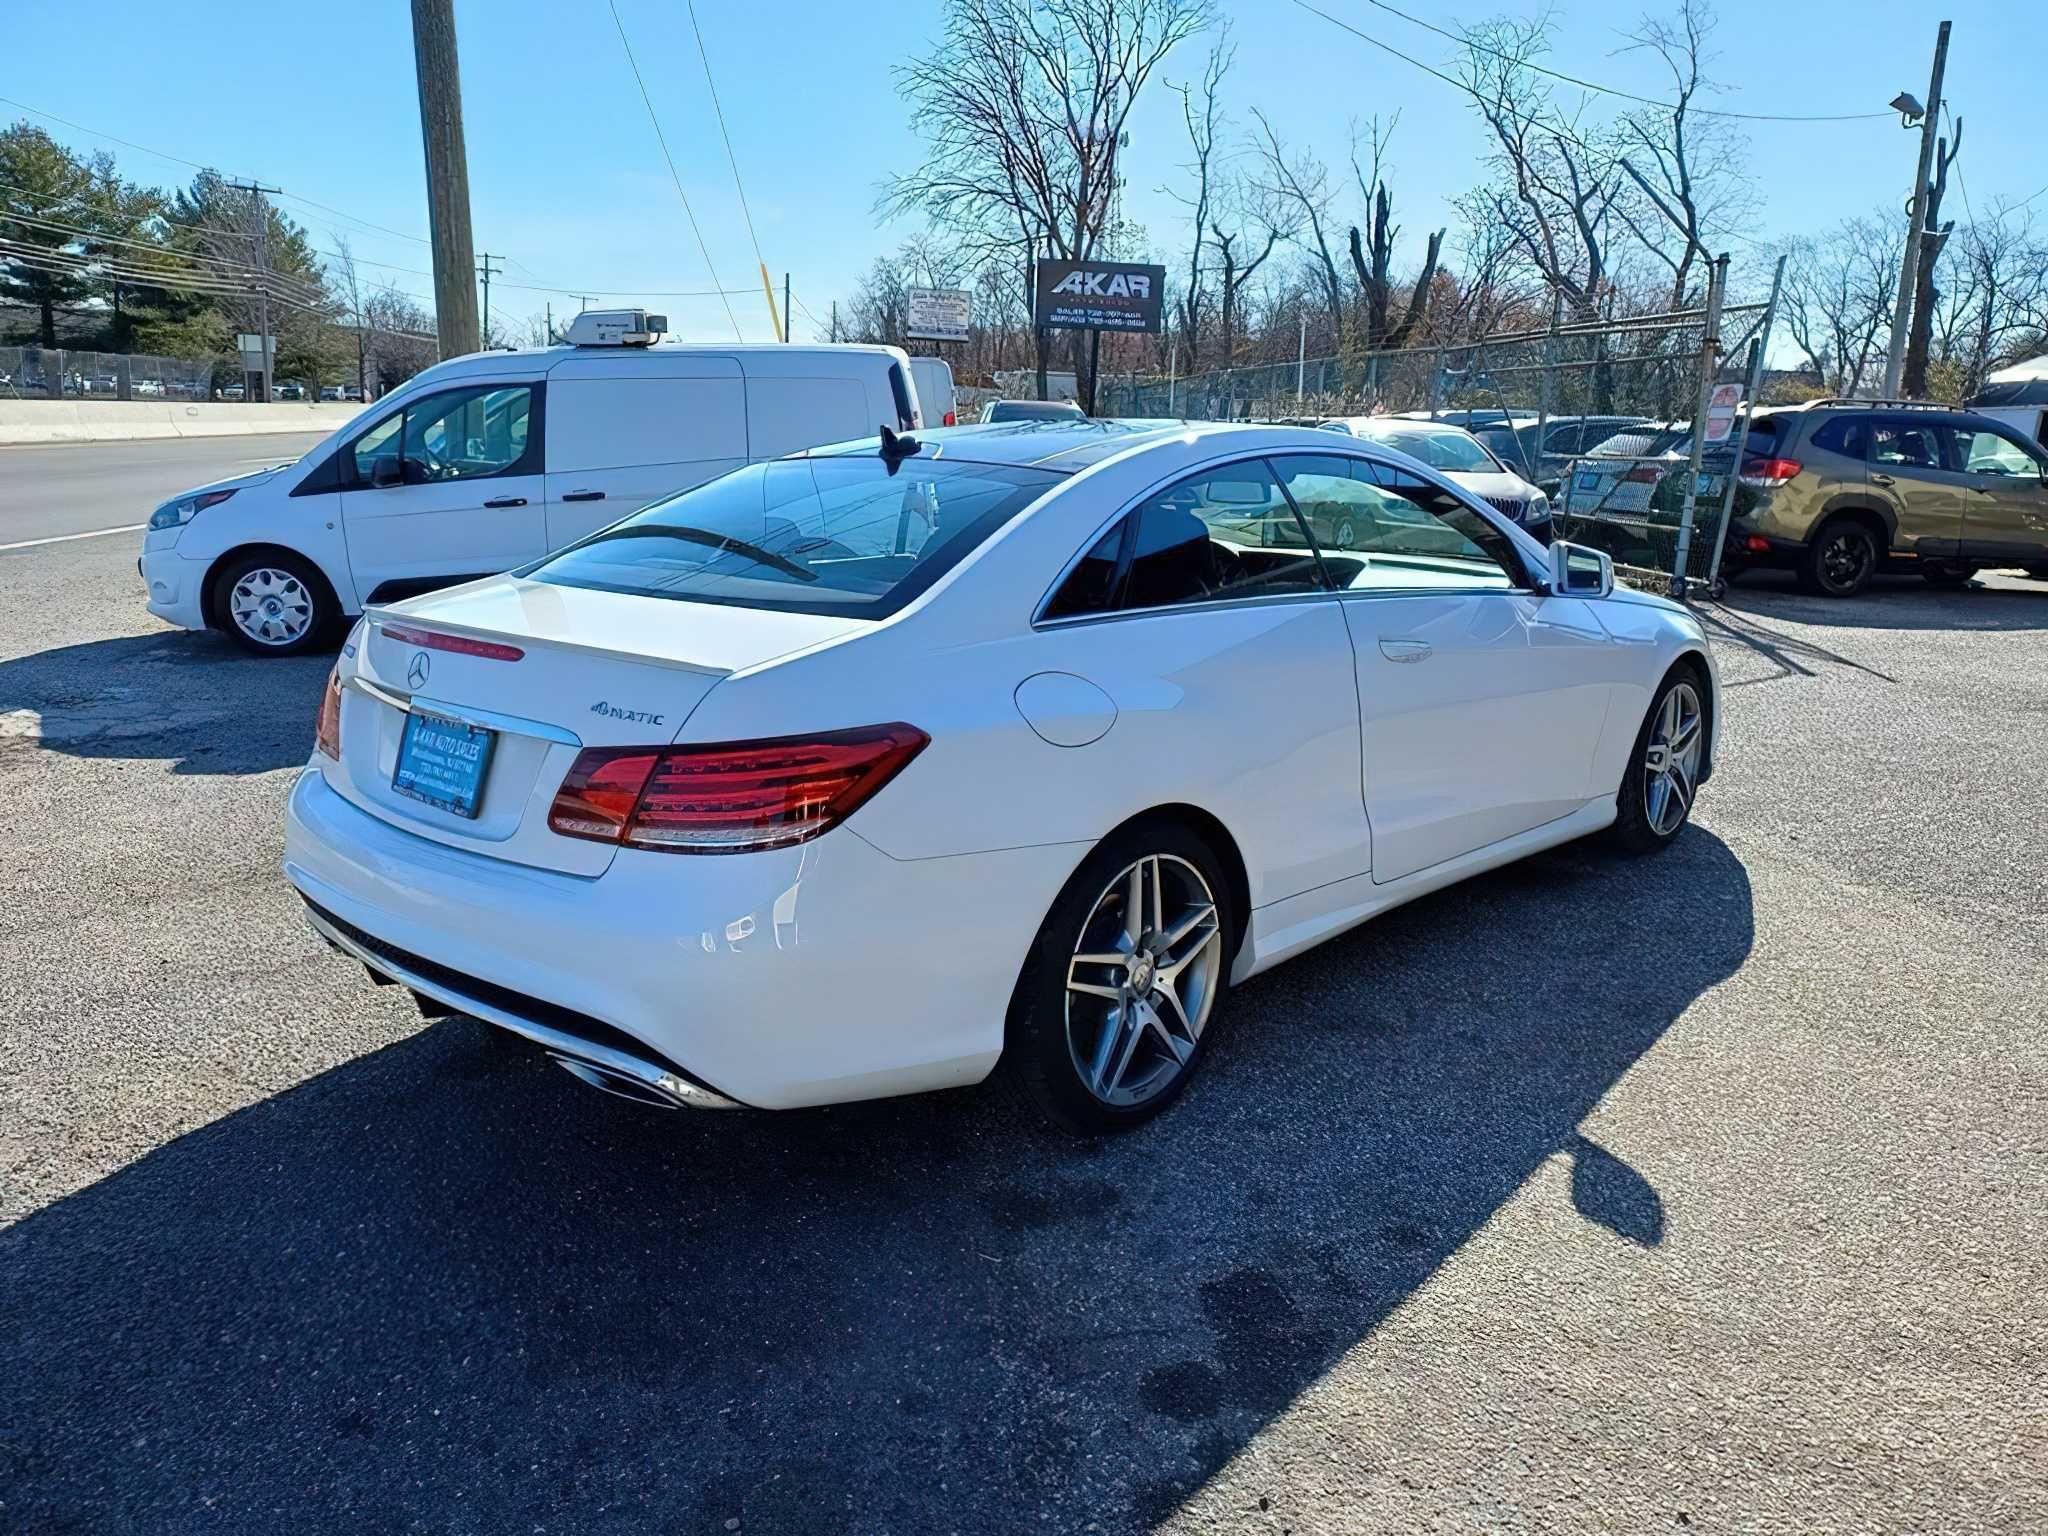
437, 766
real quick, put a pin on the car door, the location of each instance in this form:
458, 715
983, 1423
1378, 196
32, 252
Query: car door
2006, 518
445, 488
1481, 698
1205, 616
1912, 471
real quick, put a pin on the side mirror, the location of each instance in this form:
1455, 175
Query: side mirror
386, 472
1576, 571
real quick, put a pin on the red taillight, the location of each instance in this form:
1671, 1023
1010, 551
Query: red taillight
1644, 474
327, 734
1757, 544
461, 645
729, 797
1769, 474
951, 420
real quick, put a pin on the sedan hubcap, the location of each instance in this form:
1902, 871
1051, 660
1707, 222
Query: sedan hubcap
1143, 980
270, 606
1671, 761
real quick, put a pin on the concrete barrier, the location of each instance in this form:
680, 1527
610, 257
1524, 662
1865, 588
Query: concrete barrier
116, 421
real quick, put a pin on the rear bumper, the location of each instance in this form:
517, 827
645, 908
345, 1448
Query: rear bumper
808, 975
1750, 550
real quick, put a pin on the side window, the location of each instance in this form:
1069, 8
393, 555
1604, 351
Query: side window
1846, 435
378, 446
1900, 444
1090, 586
1229, 532
1993, 453
467, 434
1381, 527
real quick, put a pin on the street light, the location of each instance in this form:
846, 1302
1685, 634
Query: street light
1907, 105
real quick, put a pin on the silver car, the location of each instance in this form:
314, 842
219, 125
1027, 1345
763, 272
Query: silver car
1459, 456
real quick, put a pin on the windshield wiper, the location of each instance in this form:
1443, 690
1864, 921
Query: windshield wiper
719, 541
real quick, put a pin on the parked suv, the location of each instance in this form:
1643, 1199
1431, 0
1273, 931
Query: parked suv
1841, 489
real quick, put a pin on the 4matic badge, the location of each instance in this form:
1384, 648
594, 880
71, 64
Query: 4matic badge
636, 716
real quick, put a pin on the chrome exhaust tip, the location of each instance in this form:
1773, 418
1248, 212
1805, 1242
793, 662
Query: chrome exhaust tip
605, 1080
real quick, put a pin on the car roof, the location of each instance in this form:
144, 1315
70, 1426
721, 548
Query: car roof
1071, 446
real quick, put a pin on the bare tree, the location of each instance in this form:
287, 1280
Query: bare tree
1246, 226
2008, 273
1203, 117
1372, 255
1024, 106
1837, 300
1300, 183
1556, 177
1933, 240
1690, 169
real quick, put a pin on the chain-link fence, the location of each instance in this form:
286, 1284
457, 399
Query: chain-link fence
55, 373
1597, 414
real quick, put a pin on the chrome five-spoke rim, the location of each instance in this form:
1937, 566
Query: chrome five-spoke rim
1143, 980
1671, 762
271, 606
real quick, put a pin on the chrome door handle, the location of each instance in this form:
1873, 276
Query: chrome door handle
506, 501
1406, 650
1882, 480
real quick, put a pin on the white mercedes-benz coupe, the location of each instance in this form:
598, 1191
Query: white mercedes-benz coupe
867, 771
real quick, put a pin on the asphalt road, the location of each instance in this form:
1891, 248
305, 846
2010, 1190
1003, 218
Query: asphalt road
1705, 1193
74, 488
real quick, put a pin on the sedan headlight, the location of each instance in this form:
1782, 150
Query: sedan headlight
1537, 508
176, 514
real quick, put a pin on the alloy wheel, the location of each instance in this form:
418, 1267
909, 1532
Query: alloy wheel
270, 606
1671, 760
1846, 559
1142, 980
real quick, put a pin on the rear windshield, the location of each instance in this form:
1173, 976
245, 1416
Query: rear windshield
1641, 442
841, 536
1450, 451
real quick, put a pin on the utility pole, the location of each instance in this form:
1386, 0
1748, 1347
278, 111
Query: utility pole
261, 238
551, 322
486, 271
440, 83
835, 320
1909, 266
787, 312
582, 301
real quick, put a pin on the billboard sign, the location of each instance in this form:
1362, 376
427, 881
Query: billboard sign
1100, 295
938, 314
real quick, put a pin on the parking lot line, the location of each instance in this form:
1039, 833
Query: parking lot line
66, 538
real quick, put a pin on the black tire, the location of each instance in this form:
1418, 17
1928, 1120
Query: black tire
1633, 830
1037, 1051
1841, 559
305, 611
1951, 578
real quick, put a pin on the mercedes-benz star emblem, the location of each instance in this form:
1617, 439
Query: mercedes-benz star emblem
416, 671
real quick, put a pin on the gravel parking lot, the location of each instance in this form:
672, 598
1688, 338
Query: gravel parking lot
1706, 1193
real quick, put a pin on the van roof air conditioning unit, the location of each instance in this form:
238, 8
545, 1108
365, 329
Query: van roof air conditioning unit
614, 328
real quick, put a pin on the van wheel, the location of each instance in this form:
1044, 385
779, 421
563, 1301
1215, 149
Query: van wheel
1841, 559
273, 604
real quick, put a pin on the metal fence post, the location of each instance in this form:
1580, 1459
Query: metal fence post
1756, 373
1710, 352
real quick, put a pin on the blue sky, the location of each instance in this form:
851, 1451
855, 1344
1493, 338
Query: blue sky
567, 182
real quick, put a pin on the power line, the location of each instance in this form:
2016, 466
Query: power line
662, 140
1608, 90
730, 158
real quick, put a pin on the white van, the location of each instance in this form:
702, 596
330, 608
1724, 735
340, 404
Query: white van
490, 461
934, 376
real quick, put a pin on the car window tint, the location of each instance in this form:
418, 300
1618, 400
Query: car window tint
1849, 436
1993, 453
1227, 532
1091, 585
1905, 444
1382, 527
466, 434
380, 442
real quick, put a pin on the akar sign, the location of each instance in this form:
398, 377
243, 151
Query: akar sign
1100, 295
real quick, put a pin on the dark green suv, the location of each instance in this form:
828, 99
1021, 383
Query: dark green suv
1842, 489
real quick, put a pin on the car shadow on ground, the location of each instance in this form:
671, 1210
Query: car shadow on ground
1898, 602
443, 1287
196, 700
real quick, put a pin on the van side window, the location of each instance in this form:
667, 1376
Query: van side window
457, 434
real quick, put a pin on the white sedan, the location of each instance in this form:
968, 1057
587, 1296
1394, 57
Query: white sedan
869, 771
